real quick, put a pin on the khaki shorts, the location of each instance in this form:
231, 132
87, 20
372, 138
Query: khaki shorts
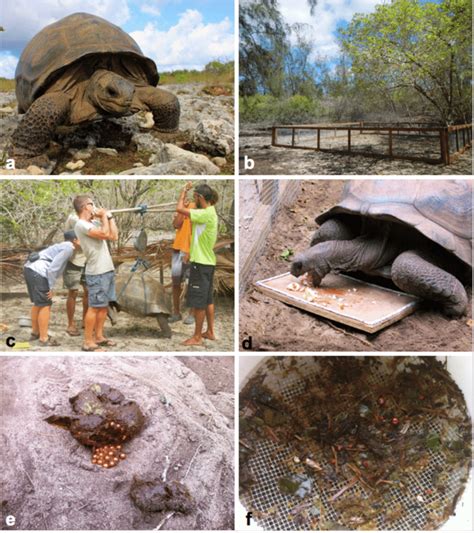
73, 277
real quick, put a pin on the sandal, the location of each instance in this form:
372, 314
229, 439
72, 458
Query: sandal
49, 342
92, 349
73, 333
107, 342
34, 337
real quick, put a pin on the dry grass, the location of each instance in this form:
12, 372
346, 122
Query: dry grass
6, 85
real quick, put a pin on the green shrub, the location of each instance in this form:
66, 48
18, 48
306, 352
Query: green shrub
268, 109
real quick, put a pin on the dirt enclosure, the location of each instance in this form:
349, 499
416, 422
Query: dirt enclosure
48, 480
255, 143
275, 326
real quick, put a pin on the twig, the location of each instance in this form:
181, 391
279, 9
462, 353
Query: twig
335, 458
165, 519
191, 462
245, 445
340, 492
82, 507
363, 341
165, 471
29, 478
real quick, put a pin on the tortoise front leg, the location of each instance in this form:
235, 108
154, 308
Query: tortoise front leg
416, 275
163, 105
165, 330
31, 138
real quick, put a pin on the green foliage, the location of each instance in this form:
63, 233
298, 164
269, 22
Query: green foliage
214, 72
33, 212
268, 109
409, 46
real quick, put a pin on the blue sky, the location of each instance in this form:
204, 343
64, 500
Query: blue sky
328, 17
174, 33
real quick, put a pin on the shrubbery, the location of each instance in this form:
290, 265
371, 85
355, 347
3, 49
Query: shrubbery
266, 108
214, 72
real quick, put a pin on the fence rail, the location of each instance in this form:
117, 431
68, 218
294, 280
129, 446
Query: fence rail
452, 141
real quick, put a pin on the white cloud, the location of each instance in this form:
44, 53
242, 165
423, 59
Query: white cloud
327, 15
22, 19
8, 64
190, 44
150, 9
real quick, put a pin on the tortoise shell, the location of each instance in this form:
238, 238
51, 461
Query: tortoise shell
441, 210
66, 41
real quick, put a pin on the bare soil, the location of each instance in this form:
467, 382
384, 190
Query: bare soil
255, 143
48, 480
275, 326
131, 333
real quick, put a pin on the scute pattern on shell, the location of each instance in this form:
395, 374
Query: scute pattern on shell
439, 209
68, 40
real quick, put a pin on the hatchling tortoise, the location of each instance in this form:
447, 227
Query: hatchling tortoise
418, 233
83, 68
102, 416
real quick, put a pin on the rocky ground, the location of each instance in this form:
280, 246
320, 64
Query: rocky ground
255, 143
130, 333
203, 146
275, 326
48, 481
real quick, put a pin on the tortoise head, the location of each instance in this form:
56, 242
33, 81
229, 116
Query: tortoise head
110, 93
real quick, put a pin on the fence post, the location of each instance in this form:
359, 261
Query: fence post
293, 137
319, 139
349, 139
273, 135
457, 140
390, 153
442, 145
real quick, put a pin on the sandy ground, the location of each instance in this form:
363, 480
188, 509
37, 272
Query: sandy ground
48, 481
131, 334
276, 326
256, 144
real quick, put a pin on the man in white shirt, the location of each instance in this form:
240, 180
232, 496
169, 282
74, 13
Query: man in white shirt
74, 279
41, 273
100, 274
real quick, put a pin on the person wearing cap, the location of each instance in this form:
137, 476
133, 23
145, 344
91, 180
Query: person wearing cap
73, 280
203, 260
41, 272
100, 272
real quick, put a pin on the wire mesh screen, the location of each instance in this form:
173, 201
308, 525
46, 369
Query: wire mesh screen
352, 443
260, 201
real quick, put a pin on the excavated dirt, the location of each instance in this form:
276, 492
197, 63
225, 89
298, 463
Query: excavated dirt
131, 333
275, 326
48, 480
256, 144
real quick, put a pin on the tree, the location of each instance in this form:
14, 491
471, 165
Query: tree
264, 47
416, 47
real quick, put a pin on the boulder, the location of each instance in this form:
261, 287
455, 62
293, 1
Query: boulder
215, 137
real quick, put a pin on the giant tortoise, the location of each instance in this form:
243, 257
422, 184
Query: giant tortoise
416, 232
78, 69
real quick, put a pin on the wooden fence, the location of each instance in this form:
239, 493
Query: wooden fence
451, 140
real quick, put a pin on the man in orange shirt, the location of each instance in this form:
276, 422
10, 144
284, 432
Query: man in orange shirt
180, 261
